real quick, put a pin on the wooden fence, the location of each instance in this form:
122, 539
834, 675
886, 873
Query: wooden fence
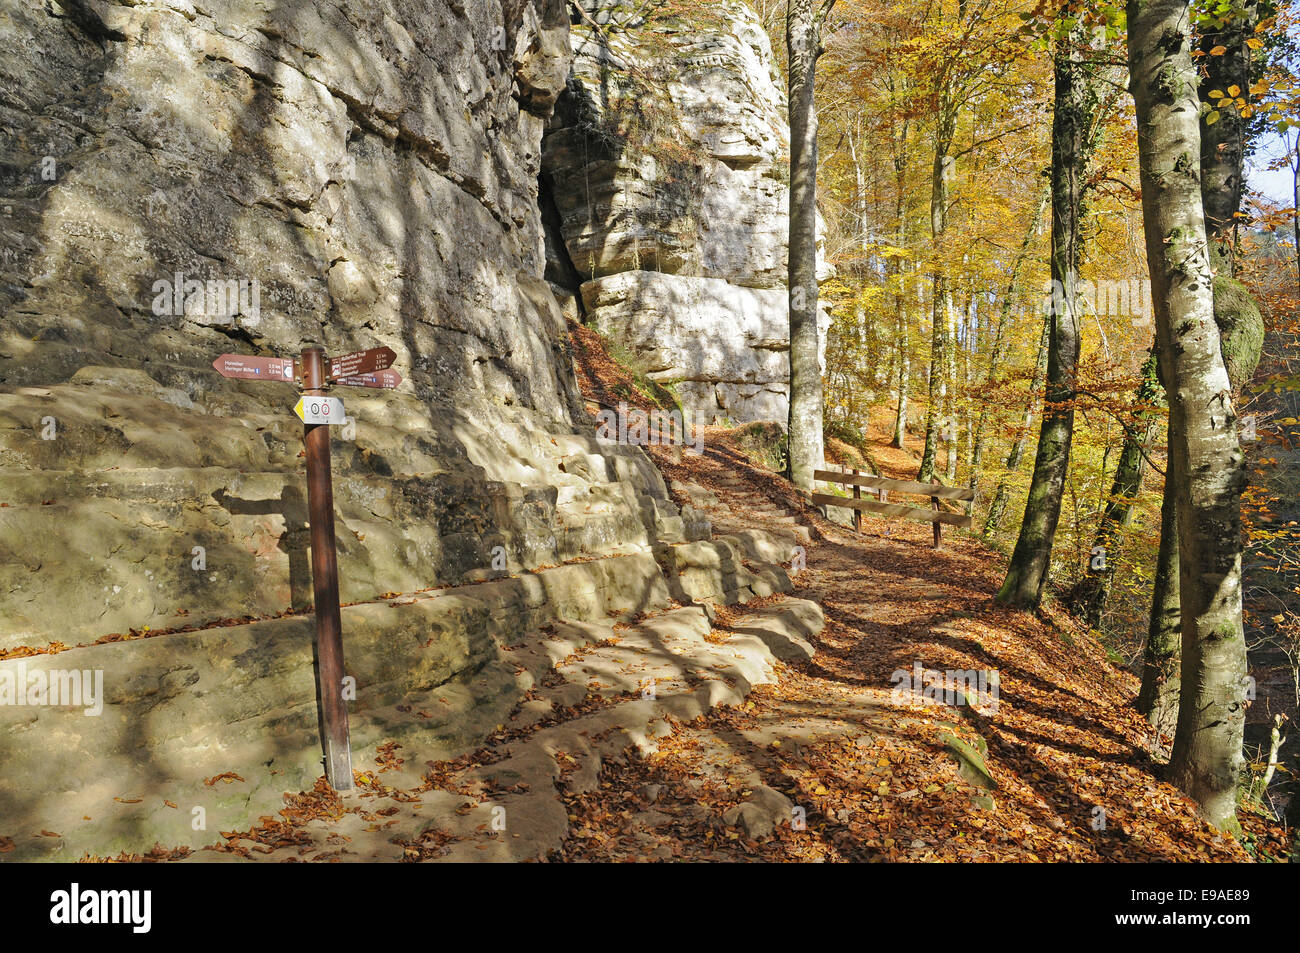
879, 507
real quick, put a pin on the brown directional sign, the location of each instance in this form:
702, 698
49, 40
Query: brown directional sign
361, 362
359, 369
255, 368
386, 379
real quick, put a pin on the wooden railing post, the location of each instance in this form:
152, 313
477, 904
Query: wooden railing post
857, 514
937, 525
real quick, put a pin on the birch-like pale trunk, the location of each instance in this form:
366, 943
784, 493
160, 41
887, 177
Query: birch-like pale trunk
941, 176
805, 446
1206, 461
900, 306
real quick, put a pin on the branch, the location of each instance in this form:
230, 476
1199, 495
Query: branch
1127, 432
984, 142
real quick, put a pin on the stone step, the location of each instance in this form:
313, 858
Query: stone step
509, 807
433, 669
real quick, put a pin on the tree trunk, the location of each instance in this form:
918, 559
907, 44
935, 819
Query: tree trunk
802, 34
900, 306
1221, 160
904, 372
1206, 461
940, 181
1158, 697
1118, 510
1071, 119
862, 338
999, 505
956, 385
1223, 142
1295, 200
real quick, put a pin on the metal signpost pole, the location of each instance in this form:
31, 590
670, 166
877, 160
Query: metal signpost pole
369, 368
325, 581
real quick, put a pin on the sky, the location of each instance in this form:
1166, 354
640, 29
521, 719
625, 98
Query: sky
1276, 185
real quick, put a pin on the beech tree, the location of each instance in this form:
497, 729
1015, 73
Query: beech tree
1205, 458
1071, 118
1227, 44
803, 23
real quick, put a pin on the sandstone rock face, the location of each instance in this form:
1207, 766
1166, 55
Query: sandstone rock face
666, 166
252, 178
179, 181
724, 345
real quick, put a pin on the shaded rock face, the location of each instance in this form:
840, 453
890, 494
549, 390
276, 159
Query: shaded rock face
333, 173
666, 163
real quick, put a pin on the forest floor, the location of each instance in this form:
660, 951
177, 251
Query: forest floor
1068, 753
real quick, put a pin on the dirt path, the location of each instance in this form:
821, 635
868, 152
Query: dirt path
869, 775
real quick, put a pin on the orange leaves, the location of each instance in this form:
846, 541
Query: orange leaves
229, 777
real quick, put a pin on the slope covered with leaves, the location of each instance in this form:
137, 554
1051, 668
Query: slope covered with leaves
868, 776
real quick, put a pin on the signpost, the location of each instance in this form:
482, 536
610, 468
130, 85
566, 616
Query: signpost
385, 379
361, 362
255, 368
318, 411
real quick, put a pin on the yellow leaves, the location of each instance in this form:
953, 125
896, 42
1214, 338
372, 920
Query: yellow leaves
1255, 43
1218, 50
893, 251
1212, 117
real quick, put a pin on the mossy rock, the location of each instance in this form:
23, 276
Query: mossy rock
1241, 329
970, 760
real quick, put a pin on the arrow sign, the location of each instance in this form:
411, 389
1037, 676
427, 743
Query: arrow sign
255, 368
319, 410
385, 379
361, 362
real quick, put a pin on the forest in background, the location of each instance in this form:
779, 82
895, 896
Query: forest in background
935, 166
959, 146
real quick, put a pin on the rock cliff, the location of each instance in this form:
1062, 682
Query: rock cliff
179, 181
361, 176
665, 170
